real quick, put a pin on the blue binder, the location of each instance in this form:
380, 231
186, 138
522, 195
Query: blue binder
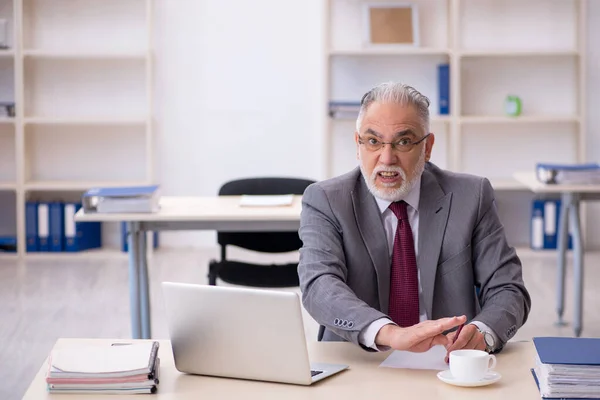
31, 226
43, 229
80, 235
568, 350
444, 88
57, 226
545, 218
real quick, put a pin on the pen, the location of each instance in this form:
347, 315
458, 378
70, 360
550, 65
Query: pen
458, 333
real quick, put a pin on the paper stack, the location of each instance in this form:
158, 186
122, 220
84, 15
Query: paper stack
135, 199
567, 367
116, 369
568, 173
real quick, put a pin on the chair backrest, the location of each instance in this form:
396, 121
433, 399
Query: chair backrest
267, 242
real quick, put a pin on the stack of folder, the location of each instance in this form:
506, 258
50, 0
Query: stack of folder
134, 199
117, 369
568, 173
567, 368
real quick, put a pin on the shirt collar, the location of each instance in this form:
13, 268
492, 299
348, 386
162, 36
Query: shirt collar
412, 198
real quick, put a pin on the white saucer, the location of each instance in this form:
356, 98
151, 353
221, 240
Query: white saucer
488, 379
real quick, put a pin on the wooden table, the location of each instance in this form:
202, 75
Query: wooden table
222, 213
363, 380
571, 197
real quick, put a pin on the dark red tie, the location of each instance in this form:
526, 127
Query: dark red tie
404, 284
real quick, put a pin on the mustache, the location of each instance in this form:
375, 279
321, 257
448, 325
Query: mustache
388, 168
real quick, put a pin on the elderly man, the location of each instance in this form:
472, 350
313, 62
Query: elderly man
394, 248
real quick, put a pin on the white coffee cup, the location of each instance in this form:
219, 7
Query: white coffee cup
470, 365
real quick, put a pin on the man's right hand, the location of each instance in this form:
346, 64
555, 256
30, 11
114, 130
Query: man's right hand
420, 337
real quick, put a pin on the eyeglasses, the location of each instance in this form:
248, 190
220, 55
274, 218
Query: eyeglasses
403, 145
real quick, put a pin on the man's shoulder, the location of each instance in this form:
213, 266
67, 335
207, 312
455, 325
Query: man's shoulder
341, 184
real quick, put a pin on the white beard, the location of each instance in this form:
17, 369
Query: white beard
394, 194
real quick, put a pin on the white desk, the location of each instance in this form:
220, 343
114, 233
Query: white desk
571, 196
221, 213
363, 380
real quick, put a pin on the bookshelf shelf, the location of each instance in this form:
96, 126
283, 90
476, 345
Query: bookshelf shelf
83, 55
518, 53
119, 121
8, 186
410, 51
50, 186
522, 119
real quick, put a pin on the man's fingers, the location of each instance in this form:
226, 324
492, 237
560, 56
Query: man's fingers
441, 340
476, 342
464, 338
452, 322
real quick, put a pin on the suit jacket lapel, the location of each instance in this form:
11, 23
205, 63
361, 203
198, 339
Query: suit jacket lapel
370, 226
434, 207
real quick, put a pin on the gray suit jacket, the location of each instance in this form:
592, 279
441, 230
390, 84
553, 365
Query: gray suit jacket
344, 265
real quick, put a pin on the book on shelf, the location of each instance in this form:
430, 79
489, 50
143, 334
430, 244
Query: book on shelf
567, 368
120, 368
344, 109
588, 173
133, 199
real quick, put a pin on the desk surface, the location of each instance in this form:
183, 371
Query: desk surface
364, 379
207, 208
529, 179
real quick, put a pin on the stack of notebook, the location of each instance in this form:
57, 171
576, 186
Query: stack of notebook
116, 369
567, 368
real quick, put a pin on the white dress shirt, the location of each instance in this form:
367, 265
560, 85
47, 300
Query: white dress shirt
390, 222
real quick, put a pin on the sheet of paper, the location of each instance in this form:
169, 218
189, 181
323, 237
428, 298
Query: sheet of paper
431, 359
266, 200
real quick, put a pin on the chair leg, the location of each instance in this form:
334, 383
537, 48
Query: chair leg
213, 272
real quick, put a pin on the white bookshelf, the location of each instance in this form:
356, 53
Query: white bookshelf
80, 73
534, 49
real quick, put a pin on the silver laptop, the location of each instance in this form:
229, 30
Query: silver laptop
241, 333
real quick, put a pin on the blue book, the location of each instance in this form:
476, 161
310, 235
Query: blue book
444, 88
31, 226
567, 350
123, 192
569, 167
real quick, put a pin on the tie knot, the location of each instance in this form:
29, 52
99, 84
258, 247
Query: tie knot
399, 209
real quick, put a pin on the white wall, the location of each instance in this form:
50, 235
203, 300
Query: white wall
238, 93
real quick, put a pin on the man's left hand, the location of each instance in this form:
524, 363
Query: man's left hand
469, 338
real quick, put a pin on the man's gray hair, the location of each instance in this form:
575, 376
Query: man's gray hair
398, 93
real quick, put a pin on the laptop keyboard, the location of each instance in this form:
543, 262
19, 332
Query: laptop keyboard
314, 373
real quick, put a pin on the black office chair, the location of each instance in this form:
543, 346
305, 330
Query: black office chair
252, 274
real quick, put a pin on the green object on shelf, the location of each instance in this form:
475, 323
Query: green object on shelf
512, 105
